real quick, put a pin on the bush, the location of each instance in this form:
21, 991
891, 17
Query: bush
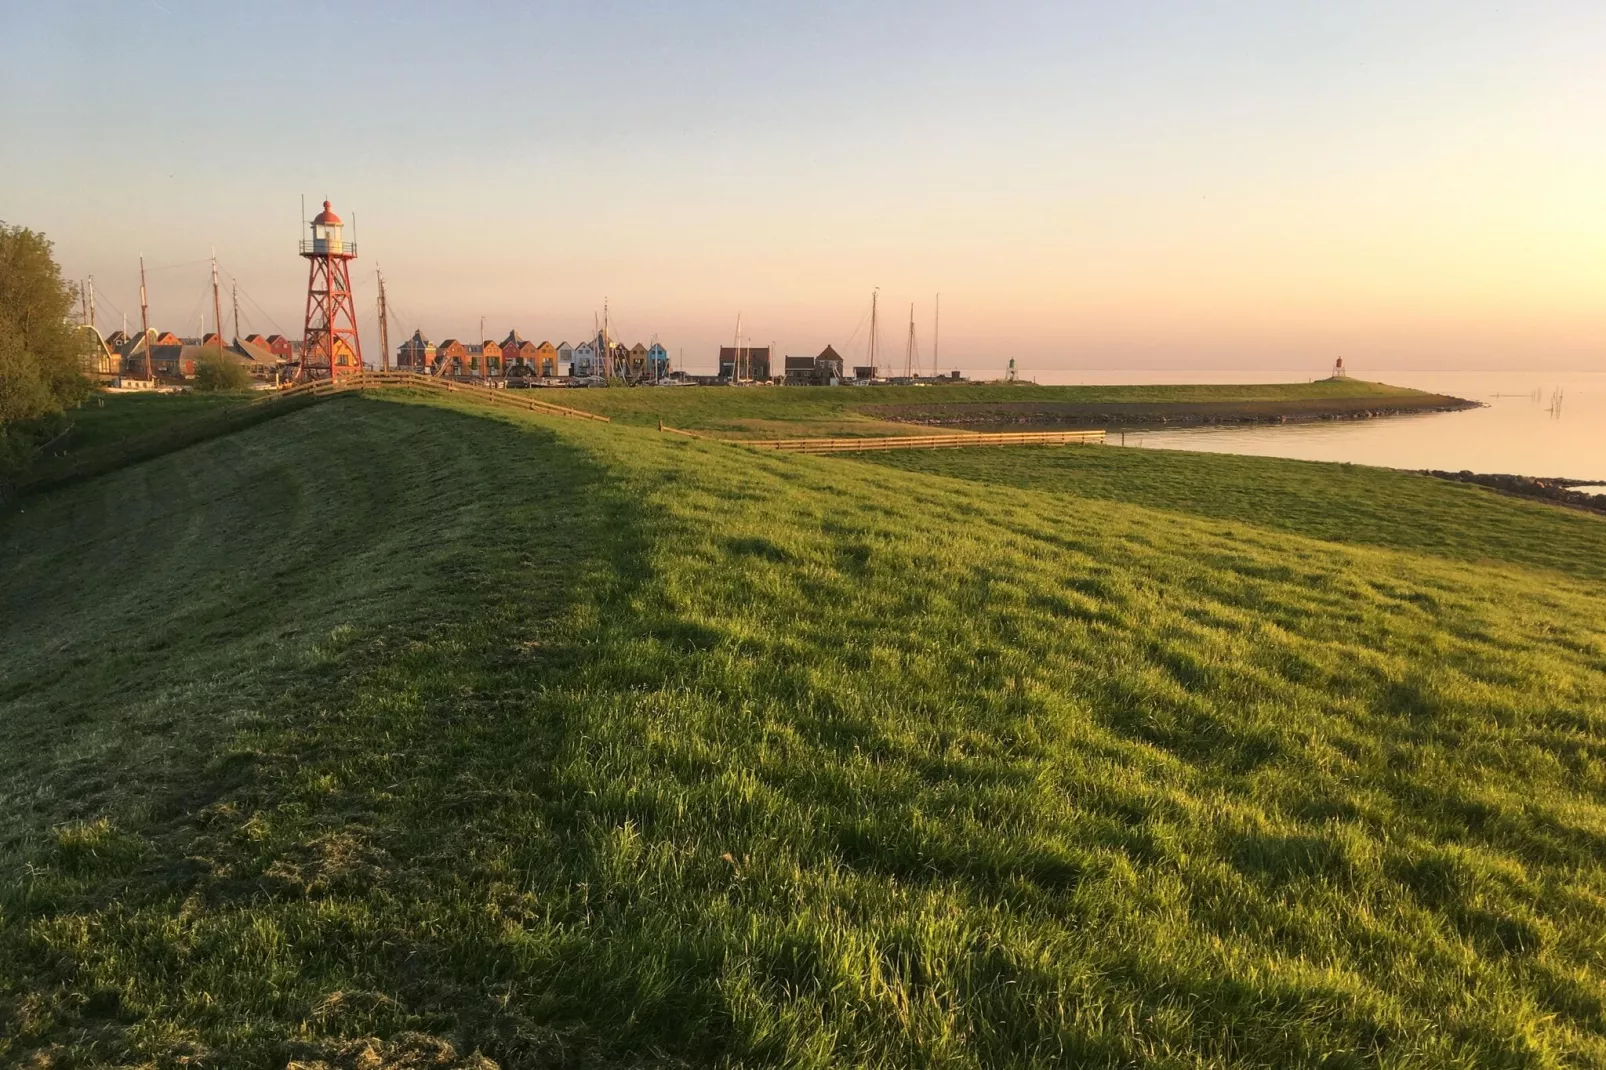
217, 372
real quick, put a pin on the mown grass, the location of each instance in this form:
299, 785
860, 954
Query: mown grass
781, 412
109, 417
1340, 502
132, 433
587, 746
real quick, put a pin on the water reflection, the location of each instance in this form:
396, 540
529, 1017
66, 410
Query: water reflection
1534, 424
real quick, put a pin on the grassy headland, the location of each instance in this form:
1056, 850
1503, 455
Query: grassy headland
780, 412
583, 745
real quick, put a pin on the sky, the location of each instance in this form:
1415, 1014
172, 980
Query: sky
1147, 185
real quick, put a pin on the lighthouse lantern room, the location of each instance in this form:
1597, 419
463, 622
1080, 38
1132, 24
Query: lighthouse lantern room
329, 345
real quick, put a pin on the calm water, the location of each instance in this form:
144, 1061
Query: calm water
1516, 433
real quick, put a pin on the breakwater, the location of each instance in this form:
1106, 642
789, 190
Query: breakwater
1550, 490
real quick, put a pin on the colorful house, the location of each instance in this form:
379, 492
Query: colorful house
452, 357
657, 362
546, 360
416, 354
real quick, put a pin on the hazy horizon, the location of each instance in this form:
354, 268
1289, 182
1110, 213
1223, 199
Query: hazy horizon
1145, 185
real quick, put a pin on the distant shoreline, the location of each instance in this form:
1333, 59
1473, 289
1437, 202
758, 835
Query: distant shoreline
1167, 413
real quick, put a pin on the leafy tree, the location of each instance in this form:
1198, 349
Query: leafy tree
217, 372
41, 354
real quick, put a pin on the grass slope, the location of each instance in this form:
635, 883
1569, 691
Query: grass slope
781, 412
587, 746
1341, 502
110, 417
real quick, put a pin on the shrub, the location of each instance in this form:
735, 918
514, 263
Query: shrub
217, 372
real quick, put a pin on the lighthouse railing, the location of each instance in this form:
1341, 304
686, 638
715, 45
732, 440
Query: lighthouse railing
325, 247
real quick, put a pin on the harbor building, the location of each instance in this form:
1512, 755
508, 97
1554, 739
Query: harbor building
822, 370
754, 363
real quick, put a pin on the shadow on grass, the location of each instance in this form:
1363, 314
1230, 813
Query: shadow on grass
273, 717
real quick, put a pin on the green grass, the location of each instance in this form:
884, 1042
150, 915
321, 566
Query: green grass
780, 412
132, 432
109, 417
579, 745
1341, 502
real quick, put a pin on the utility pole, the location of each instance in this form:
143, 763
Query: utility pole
217, 303
384, 316
145, 320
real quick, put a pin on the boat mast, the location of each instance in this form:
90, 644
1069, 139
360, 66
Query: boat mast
873, 295
145, 320
234, 295
911, 363
92, 304
936, 338
217, 304
384, 315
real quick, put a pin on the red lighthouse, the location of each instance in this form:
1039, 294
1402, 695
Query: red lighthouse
329, 347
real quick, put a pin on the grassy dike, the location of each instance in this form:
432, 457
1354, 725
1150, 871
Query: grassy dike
580, 745
784, 412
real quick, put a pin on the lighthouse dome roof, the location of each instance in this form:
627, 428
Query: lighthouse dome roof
327, 217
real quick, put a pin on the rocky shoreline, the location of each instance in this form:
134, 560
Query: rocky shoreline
1551, 490
1165, 414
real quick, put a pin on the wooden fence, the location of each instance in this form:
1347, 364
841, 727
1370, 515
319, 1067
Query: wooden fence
927, 442
513, 399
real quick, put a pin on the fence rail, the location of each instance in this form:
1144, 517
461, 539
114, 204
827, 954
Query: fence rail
928, 442
412, 380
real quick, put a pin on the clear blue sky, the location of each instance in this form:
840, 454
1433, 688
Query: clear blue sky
1088, 185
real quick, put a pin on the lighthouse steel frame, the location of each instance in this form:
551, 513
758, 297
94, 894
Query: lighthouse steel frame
331, 311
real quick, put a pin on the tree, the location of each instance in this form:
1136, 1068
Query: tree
217, 372
41, 354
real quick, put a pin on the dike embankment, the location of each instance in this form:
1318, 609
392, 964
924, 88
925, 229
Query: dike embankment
1165, 413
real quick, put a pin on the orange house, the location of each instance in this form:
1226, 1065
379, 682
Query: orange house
452, 356
546, 359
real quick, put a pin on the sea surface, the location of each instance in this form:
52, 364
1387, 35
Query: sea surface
1534, 423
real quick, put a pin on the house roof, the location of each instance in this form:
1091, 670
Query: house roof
255, 352
828, 354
